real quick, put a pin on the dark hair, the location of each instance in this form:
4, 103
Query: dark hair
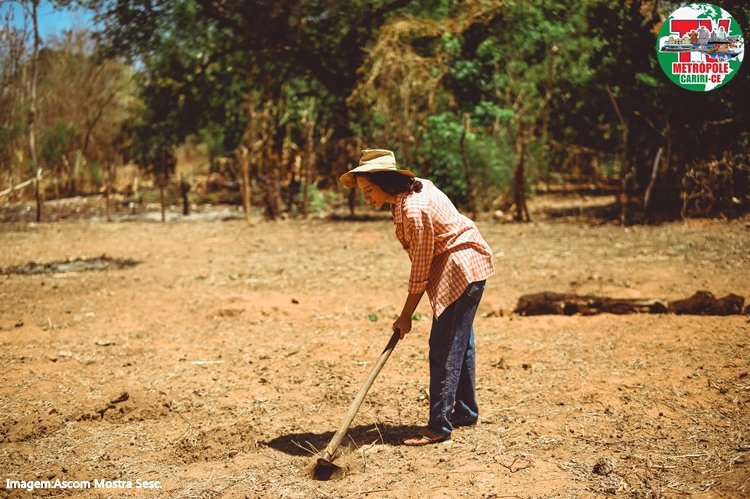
392, 182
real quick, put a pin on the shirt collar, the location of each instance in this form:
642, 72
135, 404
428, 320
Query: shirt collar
396, 207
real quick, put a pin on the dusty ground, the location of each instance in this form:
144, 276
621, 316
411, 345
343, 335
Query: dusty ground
218, 362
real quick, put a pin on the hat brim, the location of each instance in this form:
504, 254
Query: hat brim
349, 181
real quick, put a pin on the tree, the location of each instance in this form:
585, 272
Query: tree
15, 51
201, 59
71, 105
12, 116
486, 98
89, 97
651, 112
433, 78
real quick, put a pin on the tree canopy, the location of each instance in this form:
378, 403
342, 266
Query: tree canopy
488, 98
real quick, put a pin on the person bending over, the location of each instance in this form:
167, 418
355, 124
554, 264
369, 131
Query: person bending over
451, 261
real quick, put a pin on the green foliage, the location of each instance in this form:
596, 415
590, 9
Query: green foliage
212, 135
319, 199
200, 62
441, 144
533, 76
81, 103
451, 44
189, 82
695, 128
647, 79
95, 173
55, 142
504, 72
488, 114
488, 158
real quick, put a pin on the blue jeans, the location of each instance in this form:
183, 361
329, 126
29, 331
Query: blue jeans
453, 364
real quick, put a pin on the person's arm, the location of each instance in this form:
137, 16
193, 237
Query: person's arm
421, 248
403, 323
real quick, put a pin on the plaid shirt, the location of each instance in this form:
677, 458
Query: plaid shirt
447, 251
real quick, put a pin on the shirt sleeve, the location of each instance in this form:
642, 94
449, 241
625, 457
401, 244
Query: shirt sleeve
418, 227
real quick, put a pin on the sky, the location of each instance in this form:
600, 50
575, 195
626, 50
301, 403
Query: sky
52, 21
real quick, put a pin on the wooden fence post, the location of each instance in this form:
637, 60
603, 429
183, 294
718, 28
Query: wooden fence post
245, 185
467, 172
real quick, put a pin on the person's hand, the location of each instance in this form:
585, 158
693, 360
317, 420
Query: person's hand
403, 324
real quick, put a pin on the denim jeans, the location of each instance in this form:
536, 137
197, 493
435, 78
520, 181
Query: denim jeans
453, 364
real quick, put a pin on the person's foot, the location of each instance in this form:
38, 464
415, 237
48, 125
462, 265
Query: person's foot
457, 422
425, 437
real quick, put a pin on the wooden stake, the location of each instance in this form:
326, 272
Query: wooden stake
245, 166
467, 172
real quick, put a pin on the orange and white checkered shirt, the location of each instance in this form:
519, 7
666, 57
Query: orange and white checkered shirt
447, 251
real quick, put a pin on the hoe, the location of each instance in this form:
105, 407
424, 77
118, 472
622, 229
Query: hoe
325, 459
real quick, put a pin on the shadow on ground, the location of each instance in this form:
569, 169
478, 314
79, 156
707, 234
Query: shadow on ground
309, 444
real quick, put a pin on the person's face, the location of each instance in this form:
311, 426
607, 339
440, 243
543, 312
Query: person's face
373, 194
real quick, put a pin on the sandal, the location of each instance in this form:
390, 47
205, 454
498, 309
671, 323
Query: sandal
425, 437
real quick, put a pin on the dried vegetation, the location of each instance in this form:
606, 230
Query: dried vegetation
224, 360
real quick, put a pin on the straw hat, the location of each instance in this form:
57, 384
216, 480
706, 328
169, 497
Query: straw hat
373, 160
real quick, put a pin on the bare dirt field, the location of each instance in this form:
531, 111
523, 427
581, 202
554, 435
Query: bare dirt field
219, 355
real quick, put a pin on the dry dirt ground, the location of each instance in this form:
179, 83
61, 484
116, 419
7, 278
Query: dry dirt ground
221, 354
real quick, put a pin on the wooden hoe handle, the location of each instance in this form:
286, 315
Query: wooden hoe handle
326, 458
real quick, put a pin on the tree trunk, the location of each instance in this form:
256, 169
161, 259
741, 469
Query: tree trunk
549, 86
352, 194
351, 201
184, 191
623, 160
467, 172
32, 109
652, 181
107, 192
78, 166
247, 155
163, 183
134, 202
519, 179
271, 166
244, 155
309, 163
405, 128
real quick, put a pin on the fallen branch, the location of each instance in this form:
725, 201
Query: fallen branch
510, 468
549, 303
701, 303
22, 184
705, 303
